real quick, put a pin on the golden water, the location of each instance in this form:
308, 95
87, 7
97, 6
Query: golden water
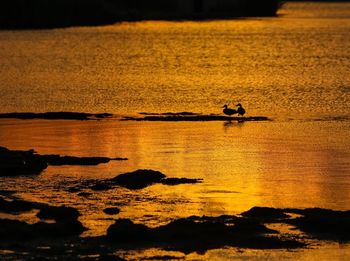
293, 69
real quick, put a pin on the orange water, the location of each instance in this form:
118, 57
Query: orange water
293, 69
292, 66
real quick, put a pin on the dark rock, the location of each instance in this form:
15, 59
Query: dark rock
189, 117
125, 231
244, 226
323, 223
73, 189
66, 221
15, 206
55, 115
84, 194
58, 160
14, 229
7, 192
59, 229
166, 257
16, 162
104, 257
138, 179
61, 213
177, 181
265, 213
111, 211
184, 113
100, 186
188, 235
13, 163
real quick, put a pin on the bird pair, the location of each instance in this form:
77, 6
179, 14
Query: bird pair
228, 111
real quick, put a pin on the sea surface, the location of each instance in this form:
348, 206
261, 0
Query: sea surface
293, 68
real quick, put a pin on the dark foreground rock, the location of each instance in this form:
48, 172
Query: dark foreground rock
18, 162
265, 213
139, 179
55, 115
323, 223
65, 219
14, 162
56, 236
188, 235
15, 206
318, 222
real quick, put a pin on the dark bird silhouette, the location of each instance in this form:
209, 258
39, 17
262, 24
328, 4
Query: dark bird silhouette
240, 110
228, 111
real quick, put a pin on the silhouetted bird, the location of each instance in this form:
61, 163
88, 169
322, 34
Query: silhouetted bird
228, 111
240, 110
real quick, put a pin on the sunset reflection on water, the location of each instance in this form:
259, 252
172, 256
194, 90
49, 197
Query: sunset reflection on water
277, 164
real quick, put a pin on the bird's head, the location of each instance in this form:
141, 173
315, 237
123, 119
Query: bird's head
239, 105
225, 106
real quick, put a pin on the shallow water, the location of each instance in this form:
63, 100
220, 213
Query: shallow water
293, 69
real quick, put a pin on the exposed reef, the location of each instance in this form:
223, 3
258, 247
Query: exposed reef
266, 214
18, 162
323, 223
318, 222
197, 234
189, 116
111, 211
65, 219
14, 162
138, 179
59, 231
55, 115
57, 160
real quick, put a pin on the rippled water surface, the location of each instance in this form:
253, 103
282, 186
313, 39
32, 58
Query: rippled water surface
295, 65
293, 69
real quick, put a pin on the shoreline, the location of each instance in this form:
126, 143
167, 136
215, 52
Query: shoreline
194, 234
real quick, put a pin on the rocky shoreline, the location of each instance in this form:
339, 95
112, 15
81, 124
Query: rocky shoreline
57, 231
18, 162
59, 228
